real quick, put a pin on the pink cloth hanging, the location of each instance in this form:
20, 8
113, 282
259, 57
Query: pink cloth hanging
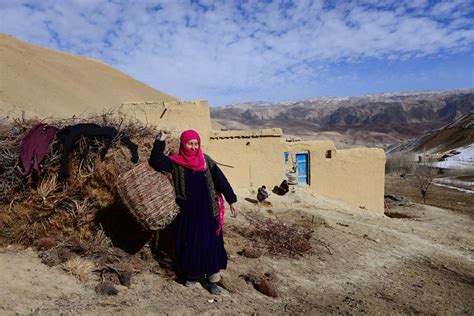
220, 220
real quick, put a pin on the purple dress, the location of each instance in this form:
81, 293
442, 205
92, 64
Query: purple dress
199, 251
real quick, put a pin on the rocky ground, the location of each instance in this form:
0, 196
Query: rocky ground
363, 263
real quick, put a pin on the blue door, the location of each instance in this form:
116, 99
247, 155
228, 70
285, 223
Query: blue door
302, 167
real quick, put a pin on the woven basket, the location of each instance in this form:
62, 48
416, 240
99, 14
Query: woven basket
149, 196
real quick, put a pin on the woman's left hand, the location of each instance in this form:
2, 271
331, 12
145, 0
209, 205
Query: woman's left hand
234, 210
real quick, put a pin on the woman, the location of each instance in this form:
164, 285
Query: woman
198, 182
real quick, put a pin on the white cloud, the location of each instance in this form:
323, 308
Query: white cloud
227, 49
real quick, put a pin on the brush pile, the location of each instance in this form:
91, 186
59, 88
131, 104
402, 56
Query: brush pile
278, 238
74, 223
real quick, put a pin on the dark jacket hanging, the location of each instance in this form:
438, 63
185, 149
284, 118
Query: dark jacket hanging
71, 134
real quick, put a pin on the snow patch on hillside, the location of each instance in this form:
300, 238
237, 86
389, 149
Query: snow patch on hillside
463, 160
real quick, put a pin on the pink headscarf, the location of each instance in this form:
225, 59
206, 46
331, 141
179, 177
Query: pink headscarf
192, 159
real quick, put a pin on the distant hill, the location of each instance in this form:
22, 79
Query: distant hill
373, 120
455, 135
48, 82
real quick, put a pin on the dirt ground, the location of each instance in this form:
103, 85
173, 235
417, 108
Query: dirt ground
376, 264
439, 196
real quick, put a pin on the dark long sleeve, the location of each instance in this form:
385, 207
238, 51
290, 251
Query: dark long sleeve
67, 147
131, 146
158, 160
222, 185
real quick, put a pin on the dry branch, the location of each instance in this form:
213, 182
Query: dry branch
280, 238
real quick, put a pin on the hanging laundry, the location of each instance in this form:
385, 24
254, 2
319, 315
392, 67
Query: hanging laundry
71, 134
34, 146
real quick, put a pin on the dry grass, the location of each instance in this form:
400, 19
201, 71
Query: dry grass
106, 288
47, 186
45, 243
81, 268
68, 208
59, 219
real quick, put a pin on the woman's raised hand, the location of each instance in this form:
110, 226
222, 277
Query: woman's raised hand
234, 210
162, 135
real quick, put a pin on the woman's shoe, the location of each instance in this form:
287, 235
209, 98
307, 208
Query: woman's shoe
212, 288
189, 283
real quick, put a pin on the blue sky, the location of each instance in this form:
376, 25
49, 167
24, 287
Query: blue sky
236, 51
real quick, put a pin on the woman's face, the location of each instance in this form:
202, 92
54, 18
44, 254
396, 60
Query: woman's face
193, 144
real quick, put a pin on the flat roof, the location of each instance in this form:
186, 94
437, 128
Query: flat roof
252, 133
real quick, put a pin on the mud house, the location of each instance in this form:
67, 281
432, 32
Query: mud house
251, 158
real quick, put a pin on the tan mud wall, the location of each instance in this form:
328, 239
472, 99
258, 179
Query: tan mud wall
260, 162
355, 176
173, 116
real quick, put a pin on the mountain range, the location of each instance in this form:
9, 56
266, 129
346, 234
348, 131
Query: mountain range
371, 120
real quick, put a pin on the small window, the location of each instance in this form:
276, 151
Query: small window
328, 154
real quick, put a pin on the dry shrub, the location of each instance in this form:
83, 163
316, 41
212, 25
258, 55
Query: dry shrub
251, 252
128, 266
99, 245
24, 224
55, 256
121, 272
424, 176
399, 163
280, 238
81, 268
106, 288
110, 276
91, 179
47, 186
105, 173
125, 278
101, 250
59, 219
5, 219
261, 283
117, 275
45, 243
116, 265
101, 197
12, 184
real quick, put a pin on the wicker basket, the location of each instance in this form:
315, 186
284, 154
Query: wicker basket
149, 196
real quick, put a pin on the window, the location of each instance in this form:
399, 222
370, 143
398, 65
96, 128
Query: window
328, 154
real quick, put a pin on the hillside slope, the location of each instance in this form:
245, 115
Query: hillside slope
48, 82
458, 134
